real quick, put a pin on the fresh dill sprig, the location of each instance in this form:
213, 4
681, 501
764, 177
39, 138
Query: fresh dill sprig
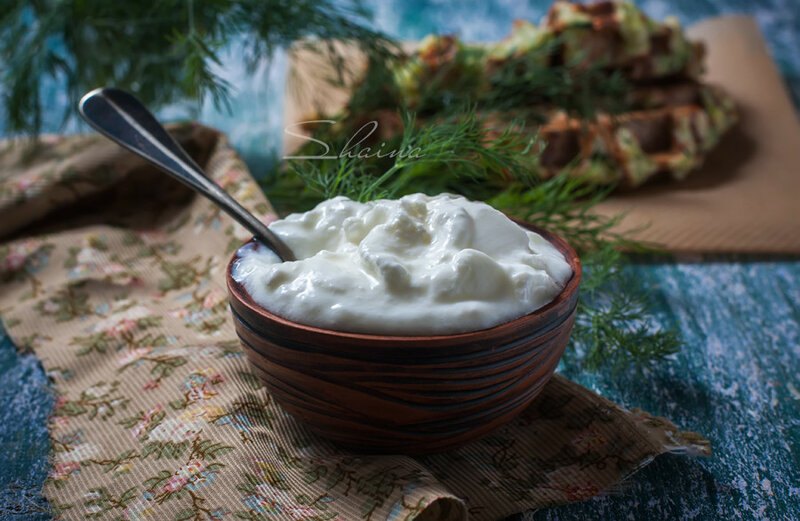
459, 155
563, 205
614, 327
455, 156
163, 51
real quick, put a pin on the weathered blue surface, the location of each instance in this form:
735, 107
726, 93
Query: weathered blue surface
24, 404
737, 381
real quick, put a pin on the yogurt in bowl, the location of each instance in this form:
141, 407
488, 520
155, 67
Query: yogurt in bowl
410, 326
419, 265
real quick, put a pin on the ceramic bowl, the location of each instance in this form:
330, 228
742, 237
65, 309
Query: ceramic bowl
407, 394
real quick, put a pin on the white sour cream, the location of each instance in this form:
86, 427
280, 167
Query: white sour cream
419, 265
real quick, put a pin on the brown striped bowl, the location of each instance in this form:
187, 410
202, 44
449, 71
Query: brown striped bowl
407, 394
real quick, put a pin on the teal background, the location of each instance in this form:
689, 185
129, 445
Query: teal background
737, 380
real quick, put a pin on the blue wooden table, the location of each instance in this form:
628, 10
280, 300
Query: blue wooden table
737, 380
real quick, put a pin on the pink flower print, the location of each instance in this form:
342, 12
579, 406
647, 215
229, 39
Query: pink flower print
213, 299
178, 313
174, 483
581, 491
27, 185
123, 326
91, 495
15, 261
122, 320
57, 422
588, 440
572, 483
93, 510
50, 306
71, 438
28, 247
203, 392
157, 408
62, 471
228, 178
147, 418
140, 427
198, 385
190, 469
112, 268
25, 254
264, 500
150, 385
23, 184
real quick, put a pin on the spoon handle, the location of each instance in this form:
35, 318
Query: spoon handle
122, 118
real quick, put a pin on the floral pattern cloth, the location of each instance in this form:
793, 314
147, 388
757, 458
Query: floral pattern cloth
113, 275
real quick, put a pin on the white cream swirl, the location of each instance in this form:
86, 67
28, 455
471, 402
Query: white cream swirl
419, 265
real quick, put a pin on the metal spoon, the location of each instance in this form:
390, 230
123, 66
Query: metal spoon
122, 118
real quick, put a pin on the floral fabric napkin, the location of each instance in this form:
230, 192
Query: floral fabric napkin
113, 275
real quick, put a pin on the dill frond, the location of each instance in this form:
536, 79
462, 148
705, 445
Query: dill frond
614, 327
163, 51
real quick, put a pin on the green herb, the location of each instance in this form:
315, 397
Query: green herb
563, 205
452, 155
614, 326
163, 51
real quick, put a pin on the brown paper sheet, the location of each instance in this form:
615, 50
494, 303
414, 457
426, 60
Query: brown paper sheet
744, 199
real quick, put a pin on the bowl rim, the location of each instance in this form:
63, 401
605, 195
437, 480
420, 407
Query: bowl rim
237, 291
